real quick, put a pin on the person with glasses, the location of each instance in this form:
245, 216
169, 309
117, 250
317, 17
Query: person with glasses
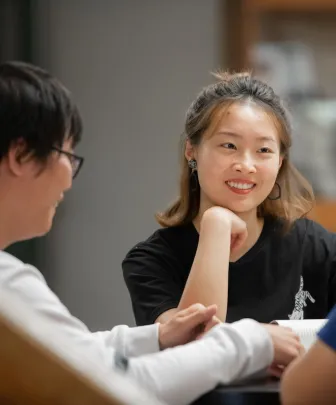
40, 127
75, 160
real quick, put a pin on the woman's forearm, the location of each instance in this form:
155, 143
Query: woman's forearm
208, 279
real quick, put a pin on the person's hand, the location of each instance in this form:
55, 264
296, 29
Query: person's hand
287, 347
218, 216
186, 325
213, 322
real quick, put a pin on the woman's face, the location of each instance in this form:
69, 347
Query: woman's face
239, 161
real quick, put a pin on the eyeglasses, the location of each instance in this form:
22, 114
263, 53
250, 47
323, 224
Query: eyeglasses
75, 160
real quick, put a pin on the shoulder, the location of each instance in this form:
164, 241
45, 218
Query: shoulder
315, 243
13, 269
308, 231
166, 241
328, 333
166, 251
310, 227
305, 237
313, 232
7, 259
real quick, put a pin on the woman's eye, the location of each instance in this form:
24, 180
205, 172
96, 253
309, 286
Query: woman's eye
228, 145
265, 150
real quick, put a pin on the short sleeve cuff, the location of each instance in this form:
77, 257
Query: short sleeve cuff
328, 333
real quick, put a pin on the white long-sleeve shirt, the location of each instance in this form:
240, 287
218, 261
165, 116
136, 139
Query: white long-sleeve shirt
176, 376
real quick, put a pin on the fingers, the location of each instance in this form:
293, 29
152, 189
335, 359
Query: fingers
212, 322
290, 351
289, 354
238, 239
302, 350
196, 308
287, 344
202, 329
213, 310
190, 310
293, 351
276, 371
197, 316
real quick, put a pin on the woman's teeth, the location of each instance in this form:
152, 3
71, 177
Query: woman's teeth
241, 186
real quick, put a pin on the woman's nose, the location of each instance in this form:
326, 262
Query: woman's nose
245, 165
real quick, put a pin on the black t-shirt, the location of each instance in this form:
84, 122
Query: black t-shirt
283, 276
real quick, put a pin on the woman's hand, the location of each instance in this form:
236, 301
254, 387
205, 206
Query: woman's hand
218, 217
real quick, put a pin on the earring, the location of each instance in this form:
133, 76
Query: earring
192, 164
279, 193
193, 175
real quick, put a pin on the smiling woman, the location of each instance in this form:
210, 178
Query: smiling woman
236, 236
239, 158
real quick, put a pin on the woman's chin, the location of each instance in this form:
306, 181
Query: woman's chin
241, 207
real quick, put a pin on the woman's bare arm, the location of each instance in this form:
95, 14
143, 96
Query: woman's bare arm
207, 283
208, 279
311, 379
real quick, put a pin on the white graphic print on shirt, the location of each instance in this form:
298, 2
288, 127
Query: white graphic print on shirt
300, 302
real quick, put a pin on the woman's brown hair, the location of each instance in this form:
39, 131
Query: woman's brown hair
297, 197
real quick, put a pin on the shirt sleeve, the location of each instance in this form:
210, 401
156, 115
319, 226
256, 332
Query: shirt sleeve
332, 271
153, 277
328, 333
320, 258
229, 352
27, 283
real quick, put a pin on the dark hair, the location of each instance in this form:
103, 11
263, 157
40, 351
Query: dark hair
37, 109
297, 197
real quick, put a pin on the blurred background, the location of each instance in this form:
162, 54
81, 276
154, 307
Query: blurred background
134, 67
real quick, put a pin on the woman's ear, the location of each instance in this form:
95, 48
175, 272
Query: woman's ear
189, 152
280, 161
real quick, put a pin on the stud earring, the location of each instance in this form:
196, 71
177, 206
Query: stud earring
192, 164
